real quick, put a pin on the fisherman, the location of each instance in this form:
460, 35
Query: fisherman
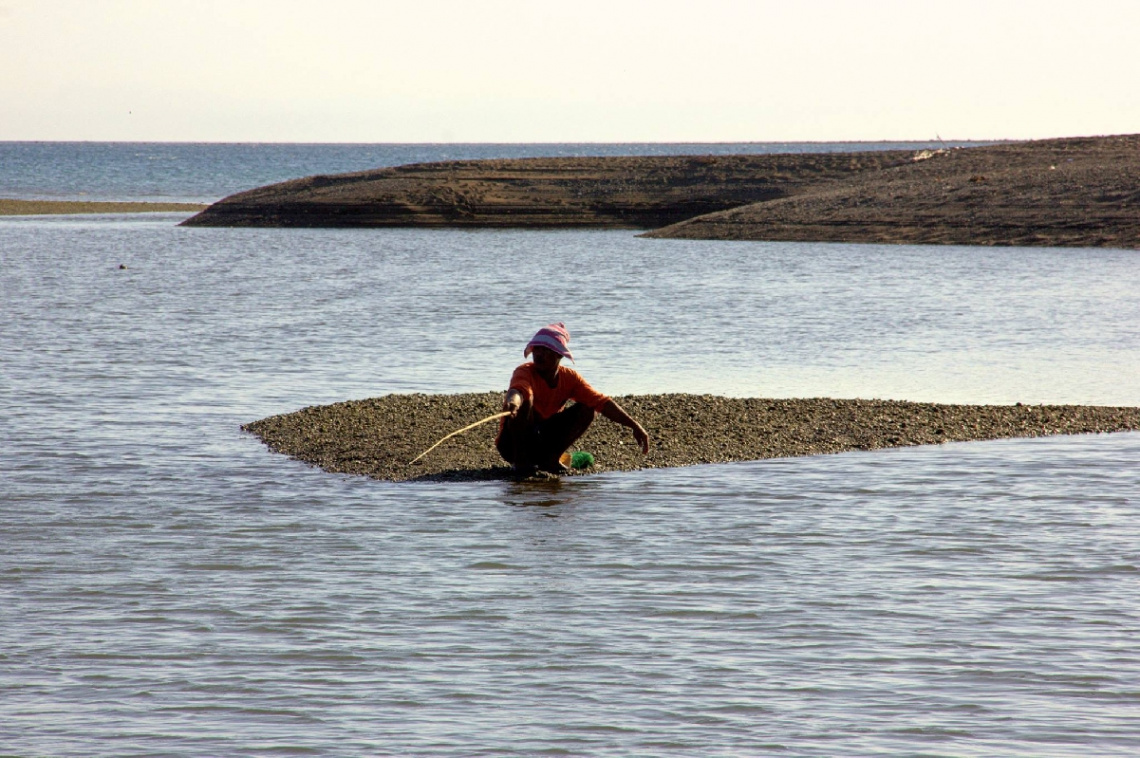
539, 429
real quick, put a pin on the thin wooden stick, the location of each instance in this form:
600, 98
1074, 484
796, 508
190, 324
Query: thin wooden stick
459, 431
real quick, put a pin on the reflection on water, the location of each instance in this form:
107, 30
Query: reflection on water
171, 587
540, 494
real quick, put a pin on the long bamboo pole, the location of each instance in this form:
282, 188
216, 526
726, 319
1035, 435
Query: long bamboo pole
459, 431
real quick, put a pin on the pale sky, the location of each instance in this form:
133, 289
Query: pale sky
566, 70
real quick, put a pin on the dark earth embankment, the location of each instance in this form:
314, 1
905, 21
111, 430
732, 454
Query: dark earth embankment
378, 437
634, 192
1065, 193
1081, 192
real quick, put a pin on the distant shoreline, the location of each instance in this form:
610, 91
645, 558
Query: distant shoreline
12, 207
1079, 192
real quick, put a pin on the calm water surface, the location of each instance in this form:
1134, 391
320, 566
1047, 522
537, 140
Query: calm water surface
169, 587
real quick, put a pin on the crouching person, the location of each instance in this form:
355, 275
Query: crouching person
542, 426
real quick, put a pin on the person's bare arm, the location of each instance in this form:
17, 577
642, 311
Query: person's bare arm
614, 412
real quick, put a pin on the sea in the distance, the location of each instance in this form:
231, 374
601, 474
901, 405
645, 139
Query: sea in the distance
169, 587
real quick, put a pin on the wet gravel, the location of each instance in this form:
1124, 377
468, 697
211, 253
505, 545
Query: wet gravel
378, 437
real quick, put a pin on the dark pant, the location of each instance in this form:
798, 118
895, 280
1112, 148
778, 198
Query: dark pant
528, 442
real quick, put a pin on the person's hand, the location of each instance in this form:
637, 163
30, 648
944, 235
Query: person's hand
642, 438
511, 403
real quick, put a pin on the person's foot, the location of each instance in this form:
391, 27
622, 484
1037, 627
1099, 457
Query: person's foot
525, 471
558, 468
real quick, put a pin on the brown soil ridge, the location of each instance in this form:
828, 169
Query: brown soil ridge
11, 207
1080, 192
599, 192
378, 437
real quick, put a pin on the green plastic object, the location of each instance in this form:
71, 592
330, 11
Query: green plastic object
581, 459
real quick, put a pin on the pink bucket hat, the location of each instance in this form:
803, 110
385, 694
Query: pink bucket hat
553, 336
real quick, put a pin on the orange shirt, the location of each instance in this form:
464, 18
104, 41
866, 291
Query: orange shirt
549, 400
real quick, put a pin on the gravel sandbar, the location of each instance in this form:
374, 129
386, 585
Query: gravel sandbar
378, 437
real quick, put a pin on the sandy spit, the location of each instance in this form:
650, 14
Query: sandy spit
61, 207
378, 437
